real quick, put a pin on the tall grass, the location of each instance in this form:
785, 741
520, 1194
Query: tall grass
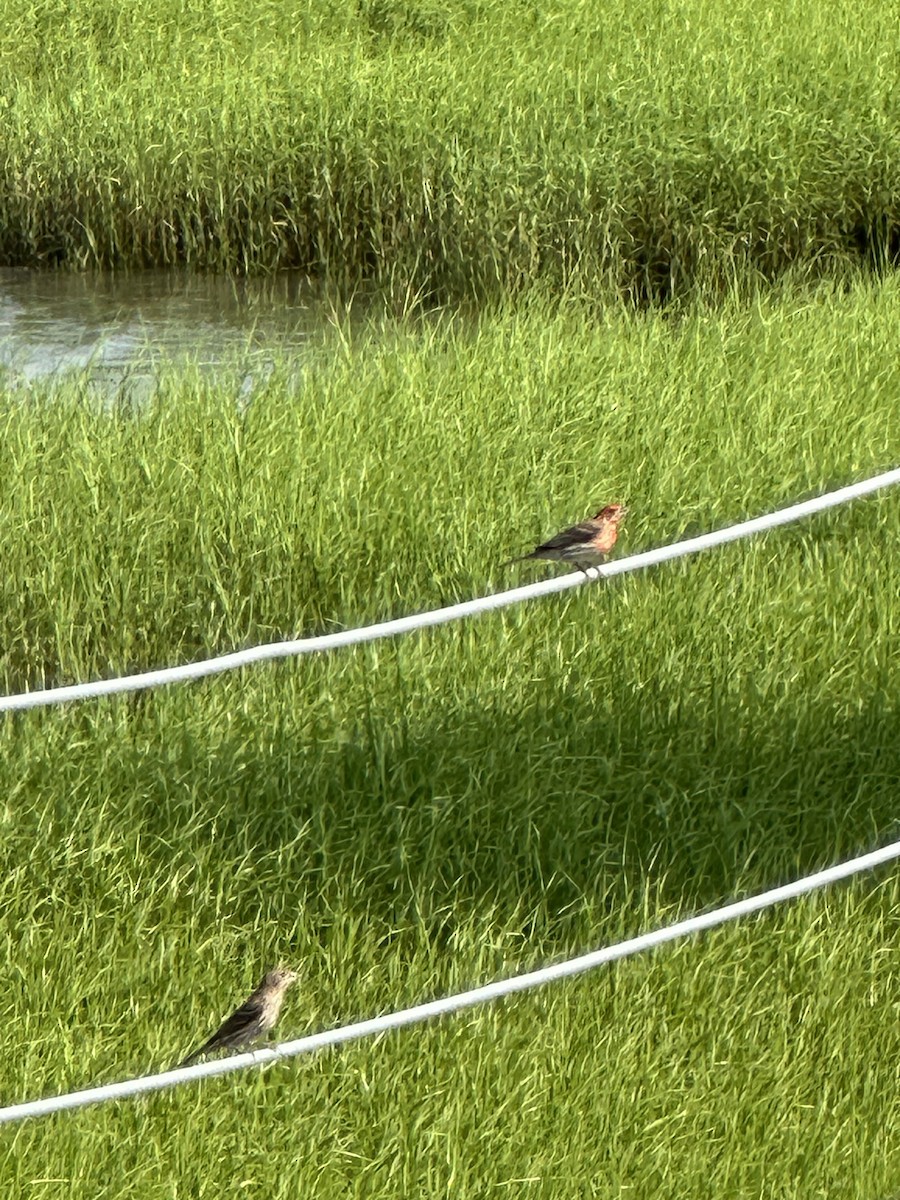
413, 817
448, 148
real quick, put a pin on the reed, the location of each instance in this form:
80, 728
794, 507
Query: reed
443, 149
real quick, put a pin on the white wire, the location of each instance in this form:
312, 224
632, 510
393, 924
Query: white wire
453, 612
452, 1004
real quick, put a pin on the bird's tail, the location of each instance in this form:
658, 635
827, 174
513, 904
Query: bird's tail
189, 1061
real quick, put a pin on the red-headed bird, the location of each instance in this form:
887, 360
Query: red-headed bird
586, 544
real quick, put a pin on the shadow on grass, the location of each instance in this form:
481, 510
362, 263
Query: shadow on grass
574, 807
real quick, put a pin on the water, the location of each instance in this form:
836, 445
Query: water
119, 328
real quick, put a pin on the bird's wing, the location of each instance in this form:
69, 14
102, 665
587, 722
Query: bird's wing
249, 1012
575, 535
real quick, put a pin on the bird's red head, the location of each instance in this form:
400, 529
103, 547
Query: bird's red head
613, 513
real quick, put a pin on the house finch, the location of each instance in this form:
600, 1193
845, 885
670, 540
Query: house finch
255, 1017
585, 544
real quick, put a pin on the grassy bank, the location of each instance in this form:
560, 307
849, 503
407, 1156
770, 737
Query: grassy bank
420, 816
451, 148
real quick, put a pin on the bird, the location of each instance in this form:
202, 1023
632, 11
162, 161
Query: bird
255, 1017
586, 544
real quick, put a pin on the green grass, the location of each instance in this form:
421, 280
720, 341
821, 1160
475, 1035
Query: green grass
420, 816
452, 148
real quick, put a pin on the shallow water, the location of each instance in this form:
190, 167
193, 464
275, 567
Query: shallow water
119, 328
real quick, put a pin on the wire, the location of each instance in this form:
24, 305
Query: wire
452, 1004
453, 612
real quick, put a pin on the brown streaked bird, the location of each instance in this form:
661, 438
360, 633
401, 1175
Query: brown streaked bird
253, 1019
586, 544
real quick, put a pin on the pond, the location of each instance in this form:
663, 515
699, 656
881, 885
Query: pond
119, 328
